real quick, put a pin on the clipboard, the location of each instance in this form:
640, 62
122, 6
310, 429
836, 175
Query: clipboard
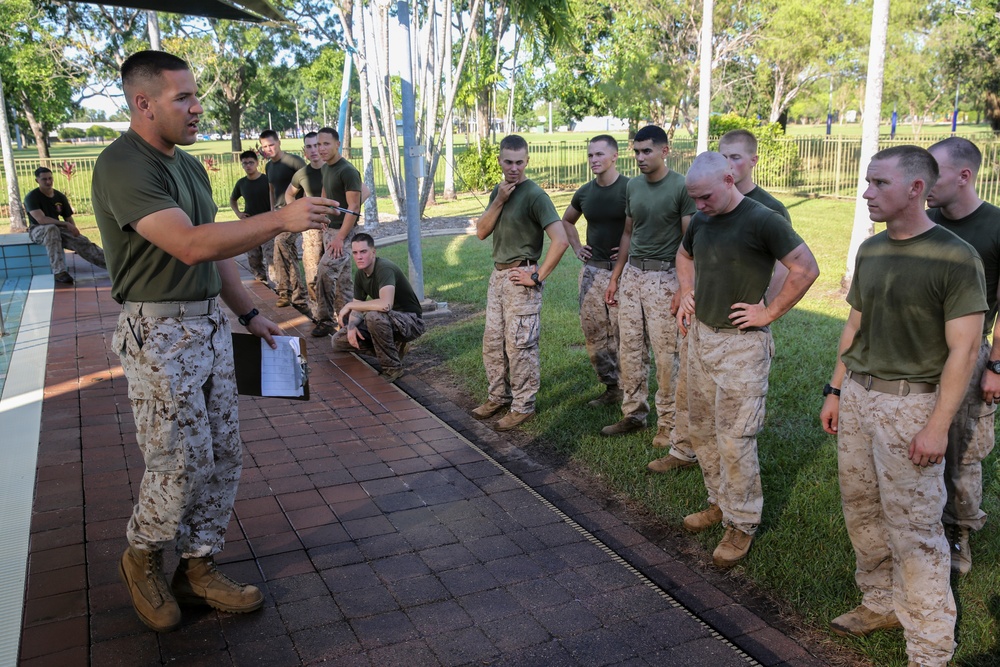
249, 363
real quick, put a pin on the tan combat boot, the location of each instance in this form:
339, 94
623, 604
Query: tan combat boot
669, 463
488, 409
703, 520
733, 548
662, 438
623, 426
612, 396
198, 581
512, 420
961, 556
142, 573
862, 621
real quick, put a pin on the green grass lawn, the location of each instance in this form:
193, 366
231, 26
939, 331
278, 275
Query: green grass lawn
802, 553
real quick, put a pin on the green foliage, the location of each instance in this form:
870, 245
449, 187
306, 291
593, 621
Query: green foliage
776, 157
67, 133
479, 167
101, 132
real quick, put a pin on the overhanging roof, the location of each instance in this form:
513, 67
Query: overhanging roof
244, 10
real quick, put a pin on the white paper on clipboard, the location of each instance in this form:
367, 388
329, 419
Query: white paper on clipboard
281, 369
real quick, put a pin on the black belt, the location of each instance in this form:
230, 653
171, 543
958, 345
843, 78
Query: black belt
512, 265
601, 263
170, 308
897, 387
733, 330
650, 264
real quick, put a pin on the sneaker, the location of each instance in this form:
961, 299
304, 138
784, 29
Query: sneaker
283, 301
862, 621
512, 420
142, 573
961, 557
488, 409
392, 374
198, 581
733, 548
668, 463
703, 520
625, 425
63, 277
322, 330
612, 396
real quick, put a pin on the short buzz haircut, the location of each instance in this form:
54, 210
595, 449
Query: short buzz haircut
962, 151
652, 133
915, 162
145, 66
513, 142
270, 134
329, 130
364, 238
746, 136
245, 155
309, 135
42, 170
606, 138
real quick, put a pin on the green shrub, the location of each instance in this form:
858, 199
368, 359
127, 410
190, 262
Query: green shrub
779, 160
479, 167
68, 133
101, 132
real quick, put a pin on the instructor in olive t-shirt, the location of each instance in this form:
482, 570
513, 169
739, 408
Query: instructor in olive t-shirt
518, 212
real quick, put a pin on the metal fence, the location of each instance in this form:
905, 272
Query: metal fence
818, 166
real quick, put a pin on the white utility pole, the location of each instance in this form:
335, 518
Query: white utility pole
705, 75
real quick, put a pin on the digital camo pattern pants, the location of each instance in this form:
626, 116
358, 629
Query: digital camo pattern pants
261, 259
182, 387
599, 322
510, 342
727, 389
970, 440
644, 321
680, 439
383, 333
892, 509
56, 240
334, 284
312, 252
286, 268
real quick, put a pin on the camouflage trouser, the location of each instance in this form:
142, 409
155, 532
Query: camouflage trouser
56, 239
286, 268
892, 509
726, 389
261, 259
599, 322
312, 252
383, 332
182, 387
970, 440
680, 439
510, 342
334, 284
644, 320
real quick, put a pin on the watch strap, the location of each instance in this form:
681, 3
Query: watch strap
245, 319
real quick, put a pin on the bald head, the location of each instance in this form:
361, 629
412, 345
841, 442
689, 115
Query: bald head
708, 165
710, 184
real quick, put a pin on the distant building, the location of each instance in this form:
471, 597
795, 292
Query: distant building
601, 124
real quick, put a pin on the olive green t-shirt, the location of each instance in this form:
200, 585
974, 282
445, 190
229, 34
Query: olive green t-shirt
279, 175
338, 179
55, 207
256, 198
981, 230
762, 196
905, 291
656, 210
309, 181
131, 181
734, 256
386, 273
604, 209
518, 232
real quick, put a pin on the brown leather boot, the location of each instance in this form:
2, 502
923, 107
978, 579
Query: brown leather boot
198, 581
512, 420
703, 520
612, 396
862, 621
668, 463
733, 548
961, 556
142, 573
623, 426
488, 409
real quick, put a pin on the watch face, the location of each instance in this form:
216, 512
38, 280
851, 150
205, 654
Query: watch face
994, 366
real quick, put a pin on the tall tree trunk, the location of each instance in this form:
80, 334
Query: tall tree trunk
447, 126
36, 129
235, 120
17, 219
371, 205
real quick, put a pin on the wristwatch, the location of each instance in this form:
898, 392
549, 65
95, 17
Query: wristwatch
245, 319
993, 366
538, 283
830, 389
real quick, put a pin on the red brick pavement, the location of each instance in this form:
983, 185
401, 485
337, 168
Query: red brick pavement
378, 533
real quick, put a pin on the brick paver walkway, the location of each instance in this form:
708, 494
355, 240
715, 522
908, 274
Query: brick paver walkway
380, 534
